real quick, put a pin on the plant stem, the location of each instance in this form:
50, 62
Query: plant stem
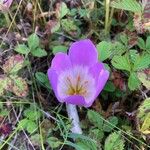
73, 116
107, 3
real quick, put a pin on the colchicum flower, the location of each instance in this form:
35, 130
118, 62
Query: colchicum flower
5, 4
78, 78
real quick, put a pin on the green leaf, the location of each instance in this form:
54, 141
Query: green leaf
143, 117
55, 28
36, 139
4, 82
22, 49
95, 118
32, 113
43, 79
129, 5
142, 62
32, 126
104, 50
77, 147
109, 87
40, 76
84, 141
13, 64
68, 25
96, 134
141, 43
133, 81
54, 142
63, 10
124, 39
33, 41
59, 48
118, 48
39, 52
85, 145
80, 136
133, 55
144, 107
121, 62
23, 124
114, 142
148, 43
19, 86
113, 121
144, 79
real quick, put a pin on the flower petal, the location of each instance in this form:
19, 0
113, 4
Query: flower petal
83, 53
76, 100
96, 69
61, 62
53, 78
103, 77
7, 3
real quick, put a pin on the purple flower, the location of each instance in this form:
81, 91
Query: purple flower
78, 78
6, 3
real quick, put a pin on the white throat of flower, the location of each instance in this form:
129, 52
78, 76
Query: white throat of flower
76, 81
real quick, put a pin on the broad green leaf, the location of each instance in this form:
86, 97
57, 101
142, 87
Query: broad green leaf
133, 55
143, 117
124, 39
109, 87
55, 28
89, 143
148, 43
33, 41
114, 142
142, 62
74, 145
43, 79
121, 62
80, 136
145, 128
4, 82
141, 43
22, 49
36, 139
19, 86
54, 142
23, 124
32, 126
104, 50
129, 5
86, 145
144, 79
59, 48
95, 118
32, 113
13, 64
113, 121
63, 10
118, 48
143, 108
68, 25
39, 52
96, 134
133, 81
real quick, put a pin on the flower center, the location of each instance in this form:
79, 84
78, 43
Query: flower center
76, 81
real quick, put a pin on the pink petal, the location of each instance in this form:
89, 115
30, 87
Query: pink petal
83, 53
61, 62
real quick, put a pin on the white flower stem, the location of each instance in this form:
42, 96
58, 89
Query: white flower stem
73, 116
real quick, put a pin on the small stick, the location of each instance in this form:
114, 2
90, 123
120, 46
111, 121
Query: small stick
73, 116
